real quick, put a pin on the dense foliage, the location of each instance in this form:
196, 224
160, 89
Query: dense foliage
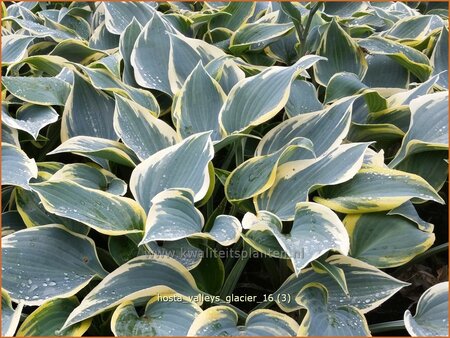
252, 168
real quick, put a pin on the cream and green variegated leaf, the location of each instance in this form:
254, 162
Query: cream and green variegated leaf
104, 80
408, 211
187, 163
47, 262
172, 317
345, 84
223, 321
173, 216
258, 98
415, 28
151, 276
316, 230
296, 179
320, 265
302, 99
48, 319
97, 147
384, 72
257, 174
376, 189
110, 63
427, 131
77, 51
367, 286
30, 118
119, 14
233, 16
10, 316
342, 55
410, 58
140, 130
322, 319
385, 241
126, 45
150, 55
431, 318
439, 57
10, 135
14, 47
38, 90
195, 113
257, 35
225, 71
325, 128
181, 250
87, 112
103, 40
107, 213
11, 222
17, 168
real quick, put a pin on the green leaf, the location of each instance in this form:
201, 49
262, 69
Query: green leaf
17, 168
87, 112
439, 57
98, 147
316, 230
33, 259
431, 318
10, 316
222, 321
325, 320
413, 60
171, 317
376, 189
14, 47
119, 14
140, 130
107, 213
48, 319
415, 27
408, 211
195, 113
295, 179
151, 275
126, 45
210, 273
384, 72
184, 165
173, 216
342, 54
77, 51
385, 241
302, 99
320, 265
233, 15
368, 287
38, 90
30, 118
257, 99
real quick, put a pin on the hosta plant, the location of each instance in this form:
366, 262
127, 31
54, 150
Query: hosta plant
242, 168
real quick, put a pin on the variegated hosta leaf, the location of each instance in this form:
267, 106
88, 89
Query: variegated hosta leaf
184, 165
195, 113
119, 14
342, 54
47, 262
295, 179
376, 189
10, 316
428, 127
302, 99
225, 71
151, 275
173, 216
326, 129
182, 251
385, 241
257, 174
414, 28
38, 90
439, 58
171, 317
14, 47
367, 286
87, 112
30, 118
316, 230
141, 131
96, 147
257, 99
150, 55
407, 210
431, 318
17, 168
384, 72
223, 321
413, 60
102, 211
126, 45
48, 319
325, 320
11, 222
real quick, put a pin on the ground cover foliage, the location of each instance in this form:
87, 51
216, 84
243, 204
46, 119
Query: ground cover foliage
243, 168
